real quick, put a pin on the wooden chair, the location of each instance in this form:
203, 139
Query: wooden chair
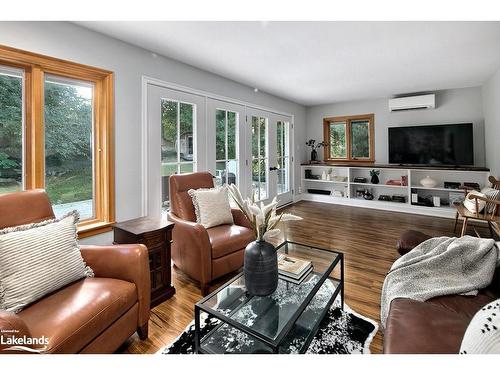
490, 213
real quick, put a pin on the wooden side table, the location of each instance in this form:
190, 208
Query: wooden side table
156, 234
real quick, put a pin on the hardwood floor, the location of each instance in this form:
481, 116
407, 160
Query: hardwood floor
367, 238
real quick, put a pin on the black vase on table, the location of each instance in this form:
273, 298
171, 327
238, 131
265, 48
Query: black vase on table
314, 155
260, 268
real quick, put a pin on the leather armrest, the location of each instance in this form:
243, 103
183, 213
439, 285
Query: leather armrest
123, 262
191, 249
11, 325
240, 218
409, 240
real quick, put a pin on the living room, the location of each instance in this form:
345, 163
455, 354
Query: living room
283, 187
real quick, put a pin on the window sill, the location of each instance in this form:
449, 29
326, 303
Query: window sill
92, 229
351, 161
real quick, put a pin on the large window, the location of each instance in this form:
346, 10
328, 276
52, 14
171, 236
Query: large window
69, 124
56, 134
226, 162
11, 129
260, 159
349, 138
177, 146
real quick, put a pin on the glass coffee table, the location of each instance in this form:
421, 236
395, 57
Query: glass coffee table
283, 322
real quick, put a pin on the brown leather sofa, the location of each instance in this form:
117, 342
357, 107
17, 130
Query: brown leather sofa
436, 326
204, 254
92, 315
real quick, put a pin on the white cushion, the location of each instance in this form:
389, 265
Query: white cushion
493, 194
212, 206
470, 203
37, 259
483, 333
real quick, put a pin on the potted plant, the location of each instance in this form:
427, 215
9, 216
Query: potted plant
374, 173
260, 265
314, 146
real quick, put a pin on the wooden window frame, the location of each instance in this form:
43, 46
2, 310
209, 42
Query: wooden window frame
35, 67
348, 119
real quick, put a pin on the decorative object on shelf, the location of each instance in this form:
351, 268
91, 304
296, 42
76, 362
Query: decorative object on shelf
374, 174
436, 201
360, 180
399, 198
339, 178
314, 146
308, 173
329, 174
424, 201
319, 191
428, 182
404, 180
260, 264
384, 197
323, 176
456, 198
359, 193
368, 195
452, 185
394, 182
338, 194
414, 198
472, 185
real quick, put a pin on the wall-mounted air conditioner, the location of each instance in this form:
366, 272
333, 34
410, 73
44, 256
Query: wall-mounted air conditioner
412, 102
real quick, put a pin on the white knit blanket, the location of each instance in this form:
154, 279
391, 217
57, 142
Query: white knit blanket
440, 266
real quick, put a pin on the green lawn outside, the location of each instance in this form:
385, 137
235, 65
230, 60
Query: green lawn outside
170, 169
70, 187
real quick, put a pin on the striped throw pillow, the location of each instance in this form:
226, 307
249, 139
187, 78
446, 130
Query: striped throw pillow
37, 259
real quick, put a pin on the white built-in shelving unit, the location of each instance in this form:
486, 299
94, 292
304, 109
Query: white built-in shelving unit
342, 180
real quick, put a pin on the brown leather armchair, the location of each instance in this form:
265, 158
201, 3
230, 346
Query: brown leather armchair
204, 254
92, 315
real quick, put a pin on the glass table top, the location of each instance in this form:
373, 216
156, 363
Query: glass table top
270, 316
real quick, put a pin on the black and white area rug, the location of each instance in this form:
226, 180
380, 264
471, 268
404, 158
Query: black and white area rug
340, 332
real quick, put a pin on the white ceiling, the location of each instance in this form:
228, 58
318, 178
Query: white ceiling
322, 62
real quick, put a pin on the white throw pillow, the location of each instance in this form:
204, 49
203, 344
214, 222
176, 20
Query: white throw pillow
493, 194
37, 259
212, 206
470, 203
483, 333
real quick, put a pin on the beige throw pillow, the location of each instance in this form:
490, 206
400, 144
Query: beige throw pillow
212, 206
37, 259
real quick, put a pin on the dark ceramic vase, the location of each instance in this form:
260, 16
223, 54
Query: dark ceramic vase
260, 268
375, 179
314, 155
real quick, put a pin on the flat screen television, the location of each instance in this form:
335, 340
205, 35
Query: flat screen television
450, 145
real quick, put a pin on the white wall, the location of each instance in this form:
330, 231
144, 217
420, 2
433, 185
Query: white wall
491, 108
452, 106
129, 63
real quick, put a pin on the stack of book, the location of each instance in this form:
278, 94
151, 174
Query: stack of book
293, 269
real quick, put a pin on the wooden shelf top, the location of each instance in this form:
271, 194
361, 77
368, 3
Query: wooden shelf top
396, 166
144, 224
